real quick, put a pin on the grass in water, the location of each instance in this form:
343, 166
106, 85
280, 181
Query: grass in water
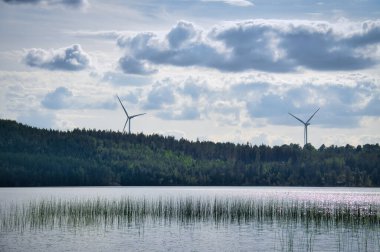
126, 211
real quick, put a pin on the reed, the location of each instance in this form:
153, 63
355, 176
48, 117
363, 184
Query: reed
126, 211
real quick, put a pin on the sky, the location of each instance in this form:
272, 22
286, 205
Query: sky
208, 70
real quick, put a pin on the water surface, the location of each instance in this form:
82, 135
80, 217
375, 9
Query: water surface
281, 233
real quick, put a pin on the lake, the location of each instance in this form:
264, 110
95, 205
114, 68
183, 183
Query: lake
189, 219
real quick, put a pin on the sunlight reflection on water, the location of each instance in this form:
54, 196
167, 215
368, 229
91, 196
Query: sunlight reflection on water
317, 194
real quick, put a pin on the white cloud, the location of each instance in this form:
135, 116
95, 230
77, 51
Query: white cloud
121, 79
130, 65
158, 96
183, 32
58, 99
49, 3
242, 3
63, 98
262, 103
67, 59
342, 108
113, 35
180, 113
271, 46
194, 89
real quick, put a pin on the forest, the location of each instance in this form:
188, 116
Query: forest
44, 157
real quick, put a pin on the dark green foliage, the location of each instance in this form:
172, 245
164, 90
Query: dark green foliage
40, 157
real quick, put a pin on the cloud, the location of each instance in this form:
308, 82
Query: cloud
226, 112
323, 50
180, 34
370, 34
252, 45
184, 113
171, 99
343, 108
270, 105
66, 3
63, 98
58, 99
271, 46
180, 48
259, 103
121, 79
111, 35
241, 3
66, 59
193, 90
373, 107
248, 88
159, 96
130, 65
267, 103
132, 97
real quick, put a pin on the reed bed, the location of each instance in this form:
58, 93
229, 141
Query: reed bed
126, 211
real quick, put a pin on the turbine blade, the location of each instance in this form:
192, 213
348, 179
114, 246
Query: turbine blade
137, 115
297, 118
312, 115
122, 106
125, 125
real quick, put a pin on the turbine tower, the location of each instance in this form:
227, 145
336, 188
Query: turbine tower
305, 124
129, 118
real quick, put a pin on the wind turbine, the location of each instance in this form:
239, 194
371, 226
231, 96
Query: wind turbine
305, 124
129, 118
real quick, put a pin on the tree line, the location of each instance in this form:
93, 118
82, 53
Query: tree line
43, 157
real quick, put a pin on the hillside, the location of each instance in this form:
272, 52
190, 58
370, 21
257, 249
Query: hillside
40, 157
